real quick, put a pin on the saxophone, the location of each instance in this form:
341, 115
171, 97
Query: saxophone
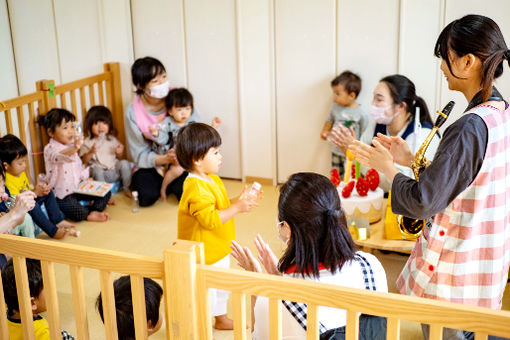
409, 227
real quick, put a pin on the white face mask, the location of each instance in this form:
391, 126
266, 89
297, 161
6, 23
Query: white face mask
377, 114
160, 91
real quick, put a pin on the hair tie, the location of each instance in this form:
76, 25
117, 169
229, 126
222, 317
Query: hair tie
333, 212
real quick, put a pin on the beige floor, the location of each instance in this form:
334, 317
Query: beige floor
151, 230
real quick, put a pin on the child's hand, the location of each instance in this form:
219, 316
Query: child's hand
172, 156
216, 122
245, 202
154, 130
78, 142
324, 135
42, 189
119, 149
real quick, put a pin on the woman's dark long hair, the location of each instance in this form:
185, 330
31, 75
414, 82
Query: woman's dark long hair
480, 36
402, 90
310, 205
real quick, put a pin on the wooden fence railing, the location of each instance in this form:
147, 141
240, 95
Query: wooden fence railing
76, 96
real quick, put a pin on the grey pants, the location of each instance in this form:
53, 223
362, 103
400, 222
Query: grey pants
455, 334
122, 170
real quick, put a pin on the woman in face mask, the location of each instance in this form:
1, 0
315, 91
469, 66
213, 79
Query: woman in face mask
396, 111
319, 248
148, 109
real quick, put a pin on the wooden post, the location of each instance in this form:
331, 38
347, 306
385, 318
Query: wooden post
116, 93
49, 102
180, 290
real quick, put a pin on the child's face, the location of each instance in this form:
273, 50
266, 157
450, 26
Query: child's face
180, 114
64, 132
341, 96
211, 162
17, 166
100, 128
39, 303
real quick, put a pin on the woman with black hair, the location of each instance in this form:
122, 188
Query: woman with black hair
464, 253
319, 248
396, 111
148, 109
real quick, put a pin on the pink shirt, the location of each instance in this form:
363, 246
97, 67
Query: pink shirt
63, 172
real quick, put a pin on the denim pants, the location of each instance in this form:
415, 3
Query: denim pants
55, 216
370, 328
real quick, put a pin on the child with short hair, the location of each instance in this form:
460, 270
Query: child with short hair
13, 155
35, 283
64, 170
124, 307
180, 110
345, 111
205, 212
102, 151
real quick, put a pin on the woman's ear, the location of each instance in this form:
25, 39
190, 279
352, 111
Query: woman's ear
287, 232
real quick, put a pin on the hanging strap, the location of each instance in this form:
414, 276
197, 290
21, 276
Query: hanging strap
299, 310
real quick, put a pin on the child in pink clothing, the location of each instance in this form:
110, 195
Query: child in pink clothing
64, 170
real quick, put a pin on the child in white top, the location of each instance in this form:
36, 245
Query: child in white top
102, 151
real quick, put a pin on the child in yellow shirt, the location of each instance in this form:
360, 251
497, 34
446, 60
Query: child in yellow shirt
37, 299
205, 213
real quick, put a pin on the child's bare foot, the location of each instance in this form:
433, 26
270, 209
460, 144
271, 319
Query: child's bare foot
96, 216
65, 224
61, 233
111, 201
162, 195
223, 322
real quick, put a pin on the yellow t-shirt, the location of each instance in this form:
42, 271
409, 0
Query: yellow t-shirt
16, 184
198, 218
41, 328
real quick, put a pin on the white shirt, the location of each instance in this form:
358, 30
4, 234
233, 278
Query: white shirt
351, 275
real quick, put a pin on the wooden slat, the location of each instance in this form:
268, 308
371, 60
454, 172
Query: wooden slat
80, 307
393, 329
275, 319
73, 85
21, 100
8, 121
109, 99
352, 326
23, 135
139, 311
63, 101
312, 322
100, 90
108, 299
403, 307
481, 336
204, 309
34, 140
435, 332
51, 296
73, 254
4, 331
23, 290
92, 96
72, 93
83, 103
239, 307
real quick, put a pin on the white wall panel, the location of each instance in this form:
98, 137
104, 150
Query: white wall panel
78, 39
420, 24
498, 11
368, 42
34, 42
117, 40
158, 31
212, 65
305, 64
8, 86
257, 86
